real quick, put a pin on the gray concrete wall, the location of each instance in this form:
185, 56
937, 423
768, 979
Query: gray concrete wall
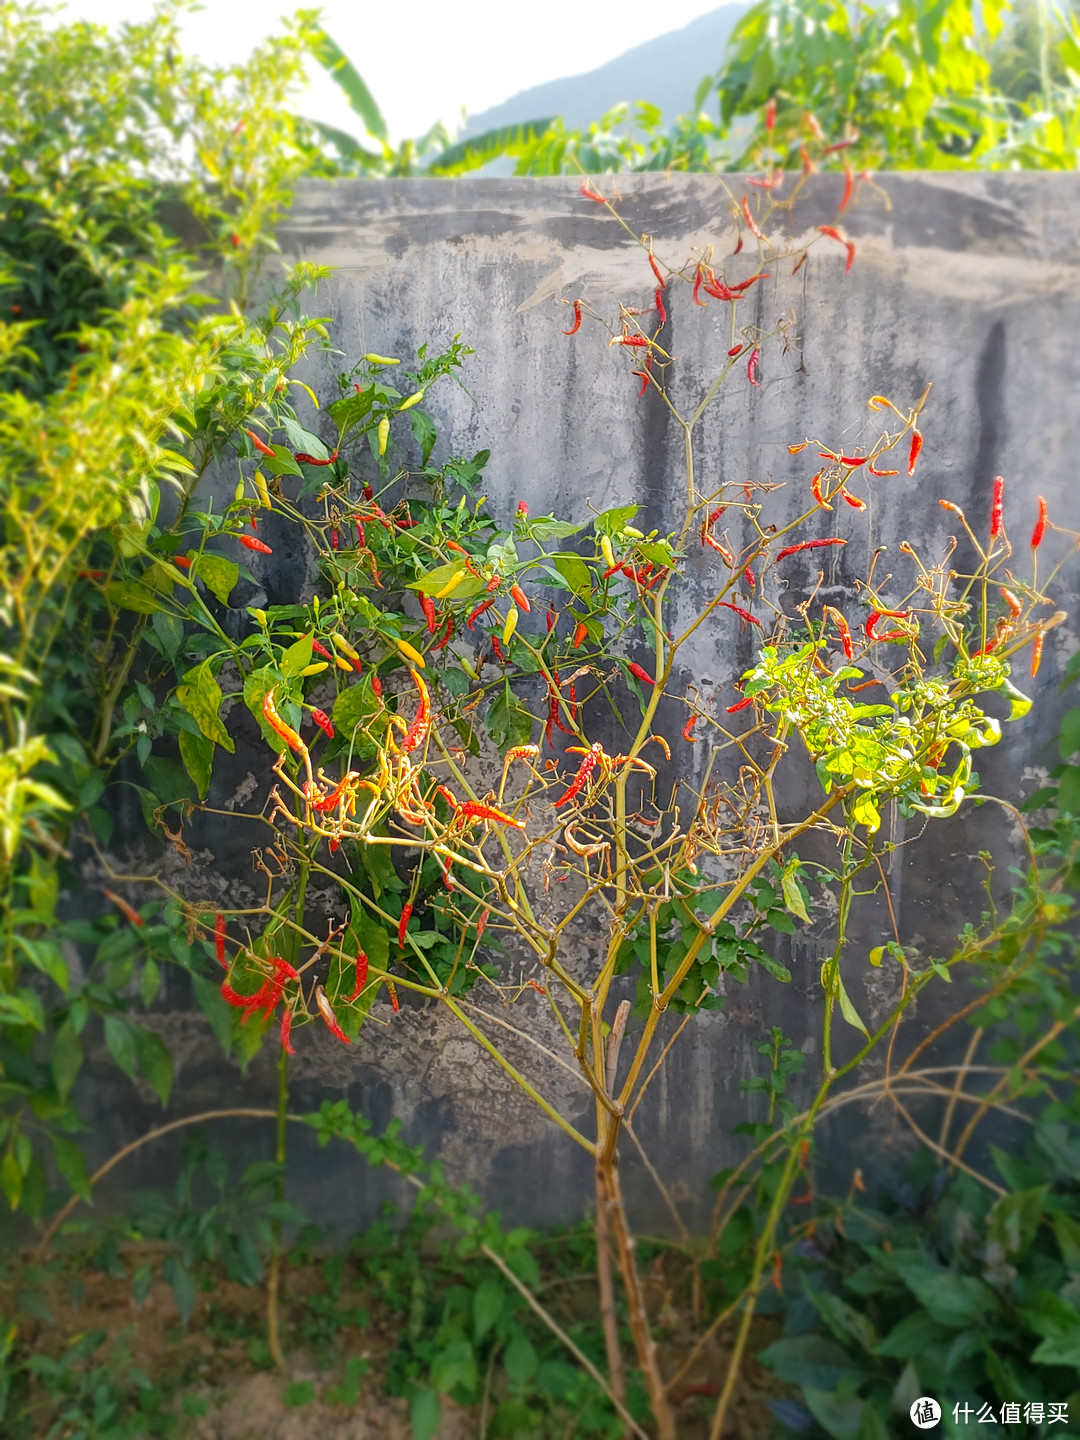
968, 282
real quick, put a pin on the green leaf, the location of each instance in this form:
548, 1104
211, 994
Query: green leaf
71, 1162
154, 1061
183, 1286
437, 579
574, 571
22, 1008
809, 1360
132, 595
521, 1360
120, 1040
300, 1392
425, 1412
257, 685
200, 695
1059, 1350
218, 574
281, 463
454, 1366
352, 708
47, 957
297, 657
197, 753
793, 896
424, 433
344, 74
611, 522
1015, 1219
480, 149
216, 1010
550, 529
11, 1180
66, 1058
847, 1009
488, 1300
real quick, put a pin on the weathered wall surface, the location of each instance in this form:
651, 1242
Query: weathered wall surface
971, 283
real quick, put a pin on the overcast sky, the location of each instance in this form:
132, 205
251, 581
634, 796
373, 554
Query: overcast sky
425, 59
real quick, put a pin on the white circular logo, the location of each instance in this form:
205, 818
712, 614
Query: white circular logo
925, 1413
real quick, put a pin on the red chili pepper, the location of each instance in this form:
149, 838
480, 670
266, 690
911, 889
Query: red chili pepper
852, 500
403, 923
815, 491
393, 996
323, 721
333, 539
870, 470
219, 939
843, 629
306, 459
576, 326
408, 523
551, 619
1013, 602
852, 461
286, 1030
631, 340
752, 364
740, 705
579, 633
326, 1010
260, 445
849, 185
484, 605
342, 789
688, 727
538, 987
849, 245
751, 223
875, 615
474, 810
725, 554
913, 453
807, 164
417, 731
748, 576
427, 604
735, 350
521, 600
643, 375
840, 144
807, 545
367, 492
590, 194
523, 509
742, 614
585, 769
361, 976
660, 305
656, 271
997, 511
438, 645
250, 543
770, 114
1036, 654
640, 674
493, 584
181, 560
699, 276
376, 686
1040, 525
274, 720
458, 549
573, 703
744, 285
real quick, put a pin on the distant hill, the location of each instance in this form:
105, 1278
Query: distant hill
665, 71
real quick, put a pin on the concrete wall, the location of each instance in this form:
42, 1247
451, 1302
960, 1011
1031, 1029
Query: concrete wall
968, 282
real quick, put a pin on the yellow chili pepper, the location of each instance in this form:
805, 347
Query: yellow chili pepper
316, 669
238, 493
410, 652
606, 551
452, 584
637, 534
260, 615
381, 360
384, 433
342, 663
411, 401
511, 624
259, 481
340, 643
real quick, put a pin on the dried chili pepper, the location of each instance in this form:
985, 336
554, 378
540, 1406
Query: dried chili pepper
807, 545
418, 730
752, 364
643, 376
326, 1010
1040, 525
484, 605
551, 619
849, 245
445, 638
748, 576
128, 911
403, 923
815, 491
520, 598
870, 625
286, 732
260, 445
627, 339
342, 790
640, 674
580, 633
915, 449
590, 194
585, 769
688, 727
742, 614
361, 976
392, 988
427, 604
660, 305
249, 542
871, 470
843, 629
576, 326
1013, 602
475, 810
219, 938
286, 1030
699, 276
997, 509
751, 223
849, 185
852, 500
740, 705
735, 350
306, 459
656, 271
1036, 654
323, 721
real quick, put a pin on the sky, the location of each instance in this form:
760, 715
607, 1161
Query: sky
425, 59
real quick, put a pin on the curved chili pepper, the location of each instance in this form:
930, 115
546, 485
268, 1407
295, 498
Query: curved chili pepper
219, 938
807, 545
875, 615
751, 223
326, 1010
640, 674
585, 769
306, 459
752, 364
361, 976
815, 491
660, 305
742, 614
656, 271
914, 451
128, 911
520, 598
849, 185
740, 705
417, 731
323, 721
698, 278
1040, 525
286, 732
286, 1030
834, 234
499, 655
590, 194
852, 500
643, 375
474, 810
852, 461
337, 794
576, 326
403, 923
871, 470
249, 542
439, 644
579, 634
1013, 602
427, 604
260, 445
688, 727
843, 629
484, 605
997, 510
